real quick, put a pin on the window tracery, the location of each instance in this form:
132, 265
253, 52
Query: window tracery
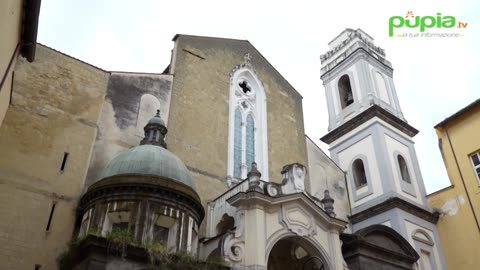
247, 123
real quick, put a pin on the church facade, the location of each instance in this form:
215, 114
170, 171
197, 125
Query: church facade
210, 159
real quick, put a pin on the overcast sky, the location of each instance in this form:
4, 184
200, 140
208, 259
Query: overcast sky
434, 77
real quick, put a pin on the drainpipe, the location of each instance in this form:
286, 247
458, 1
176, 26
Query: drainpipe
463, 180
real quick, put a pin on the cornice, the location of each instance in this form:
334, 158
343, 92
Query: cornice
137, 187
392, 203
373, 111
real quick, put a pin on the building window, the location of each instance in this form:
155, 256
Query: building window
247, 140
52, 210
345, 91
120, 226
162, 230
244, 142
160, 233
359, 175
116, 221
425, 248
250, 141
476, 164
85, 222
64, 162
237, 148
402, 165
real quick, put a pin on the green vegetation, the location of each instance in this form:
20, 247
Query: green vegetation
162, 258
118, 241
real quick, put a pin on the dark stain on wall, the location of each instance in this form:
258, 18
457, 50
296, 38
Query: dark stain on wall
126, 90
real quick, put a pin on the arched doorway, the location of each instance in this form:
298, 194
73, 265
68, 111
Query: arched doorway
295, 253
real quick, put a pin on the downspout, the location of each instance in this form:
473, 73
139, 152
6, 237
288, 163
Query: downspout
463, 180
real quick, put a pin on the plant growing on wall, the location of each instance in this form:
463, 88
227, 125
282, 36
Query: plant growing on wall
119, 239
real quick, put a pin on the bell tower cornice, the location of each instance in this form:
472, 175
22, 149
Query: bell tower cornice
346, 44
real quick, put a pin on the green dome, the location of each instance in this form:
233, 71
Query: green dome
156, 120
149, 160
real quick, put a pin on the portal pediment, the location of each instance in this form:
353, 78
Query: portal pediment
298, 220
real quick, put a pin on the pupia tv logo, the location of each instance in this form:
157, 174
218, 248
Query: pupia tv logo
424, 22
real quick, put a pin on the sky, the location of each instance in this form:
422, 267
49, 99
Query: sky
434, 77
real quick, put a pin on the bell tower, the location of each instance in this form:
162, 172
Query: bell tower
372, 142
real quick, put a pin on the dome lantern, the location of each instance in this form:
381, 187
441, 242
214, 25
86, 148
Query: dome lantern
155, 131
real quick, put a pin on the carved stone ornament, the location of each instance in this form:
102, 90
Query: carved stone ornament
293, 178
298, 221
233, 248
272, 189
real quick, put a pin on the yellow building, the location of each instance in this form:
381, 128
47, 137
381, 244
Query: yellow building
18, 35
459, 224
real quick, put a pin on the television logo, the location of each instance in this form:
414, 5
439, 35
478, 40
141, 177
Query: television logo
423, 22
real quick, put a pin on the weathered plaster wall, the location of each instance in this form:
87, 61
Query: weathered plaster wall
10, 30
55, 107
198, 120
132, 99
325, 174
457, 227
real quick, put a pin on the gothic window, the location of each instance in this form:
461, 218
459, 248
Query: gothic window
245, 87
476, 164
237, 148
247, 140
345, 91
402, 165
359, 175
244, 141
250, 141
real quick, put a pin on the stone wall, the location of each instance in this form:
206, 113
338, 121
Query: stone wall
199, 111
131, 100
55, 108
325, 174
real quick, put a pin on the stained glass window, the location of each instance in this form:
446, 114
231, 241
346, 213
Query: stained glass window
237, 145
250, 141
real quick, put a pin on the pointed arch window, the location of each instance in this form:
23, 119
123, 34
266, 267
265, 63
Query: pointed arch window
250, 141
402, 165
237, 148
345, 91
247, 139
359, 174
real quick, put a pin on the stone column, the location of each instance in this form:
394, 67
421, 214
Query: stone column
255, 242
